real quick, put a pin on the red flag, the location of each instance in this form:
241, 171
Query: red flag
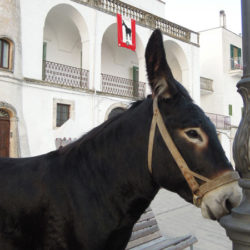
126, 32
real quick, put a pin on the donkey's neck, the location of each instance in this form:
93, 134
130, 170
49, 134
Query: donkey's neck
120, 153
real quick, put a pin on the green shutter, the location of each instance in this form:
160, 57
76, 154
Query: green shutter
232, 56
231, 51
239, 52
44, 51
135, 74
135, 81
44, 58
230, 109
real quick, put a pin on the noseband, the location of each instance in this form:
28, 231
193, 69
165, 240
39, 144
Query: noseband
198, 190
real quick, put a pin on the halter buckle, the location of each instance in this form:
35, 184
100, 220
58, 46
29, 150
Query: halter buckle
197, 200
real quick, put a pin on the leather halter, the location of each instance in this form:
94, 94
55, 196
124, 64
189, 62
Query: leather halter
198, 190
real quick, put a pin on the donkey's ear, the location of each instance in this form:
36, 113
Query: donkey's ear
160, 76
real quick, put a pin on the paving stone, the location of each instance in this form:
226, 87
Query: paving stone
176, 217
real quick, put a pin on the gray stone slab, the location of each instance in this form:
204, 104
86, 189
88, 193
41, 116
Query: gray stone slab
176, 217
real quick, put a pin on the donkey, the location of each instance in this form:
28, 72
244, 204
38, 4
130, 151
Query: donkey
127, 31
90, 193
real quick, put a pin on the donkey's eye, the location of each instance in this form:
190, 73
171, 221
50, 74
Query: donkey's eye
193, 134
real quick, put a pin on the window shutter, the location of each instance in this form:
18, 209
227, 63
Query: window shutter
135, 74
44, 51
135, 81
239, 52
230, 109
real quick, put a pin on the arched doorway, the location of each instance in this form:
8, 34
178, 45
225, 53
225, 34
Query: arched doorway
116, 111
4, 133
65, 47
120, 66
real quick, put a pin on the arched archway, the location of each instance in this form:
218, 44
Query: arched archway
120, 66
9, 139
65, 47
115, 109
177, 61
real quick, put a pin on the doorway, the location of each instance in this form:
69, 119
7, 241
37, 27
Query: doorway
4, 133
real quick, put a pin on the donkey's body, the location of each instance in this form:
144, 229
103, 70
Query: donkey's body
89, 194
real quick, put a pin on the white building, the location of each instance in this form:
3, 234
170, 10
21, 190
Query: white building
221, 70
62, 72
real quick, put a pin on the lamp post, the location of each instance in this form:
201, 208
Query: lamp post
237, 224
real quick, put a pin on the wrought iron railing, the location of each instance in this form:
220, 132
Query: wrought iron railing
144, 18
220, 121
206, 84
236, 63
121, 86
65, 75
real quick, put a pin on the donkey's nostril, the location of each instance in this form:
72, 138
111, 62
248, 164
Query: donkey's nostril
228, 205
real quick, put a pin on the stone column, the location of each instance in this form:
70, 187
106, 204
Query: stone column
237, 224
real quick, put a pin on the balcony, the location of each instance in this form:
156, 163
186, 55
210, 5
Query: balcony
122, 87
65, 75
220, 121
143, 18
236, 66
206, 85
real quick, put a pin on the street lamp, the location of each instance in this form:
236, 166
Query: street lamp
237, 224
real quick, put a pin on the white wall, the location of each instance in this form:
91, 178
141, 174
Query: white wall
95, 33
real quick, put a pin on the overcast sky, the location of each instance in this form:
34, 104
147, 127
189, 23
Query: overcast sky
200, 15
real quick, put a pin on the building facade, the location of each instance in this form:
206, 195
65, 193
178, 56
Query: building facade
62, 72
221, 69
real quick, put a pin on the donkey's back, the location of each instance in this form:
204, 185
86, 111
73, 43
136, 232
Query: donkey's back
31, 203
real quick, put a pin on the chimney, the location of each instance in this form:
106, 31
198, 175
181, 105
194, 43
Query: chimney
223, 19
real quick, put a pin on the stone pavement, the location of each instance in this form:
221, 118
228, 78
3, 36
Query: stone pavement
176, 217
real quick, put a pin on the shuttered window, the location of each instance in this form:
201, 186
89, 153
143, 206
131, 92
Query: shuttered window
235, 55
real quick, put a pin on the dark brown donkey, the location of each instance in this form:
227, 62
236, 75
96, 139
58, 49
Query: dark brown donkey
89, 194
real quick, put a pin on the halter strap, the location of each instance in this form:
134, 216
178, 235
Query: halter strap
197, 190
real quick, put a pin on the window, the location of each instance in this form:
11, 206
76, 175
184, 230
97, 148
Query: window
4, 54
62, 114
235, 57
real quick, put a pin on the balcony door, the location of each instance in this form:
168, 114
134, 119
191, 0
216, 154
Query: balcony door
4, 133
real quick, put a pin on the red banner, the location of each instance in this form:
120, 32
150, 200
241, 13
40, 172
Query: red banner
126, 32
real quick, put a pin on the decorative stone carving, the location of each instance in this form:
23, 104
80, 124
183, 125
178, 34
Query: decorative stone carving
241, 147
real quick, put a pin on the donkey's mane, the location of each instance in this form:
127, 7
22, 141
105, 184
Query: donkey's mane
97, 130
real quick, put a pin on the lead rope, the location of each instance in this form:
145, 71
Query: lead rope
197, 190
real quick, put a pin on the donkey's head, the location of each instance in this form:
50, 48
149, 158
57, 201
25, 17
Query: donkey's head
194, 138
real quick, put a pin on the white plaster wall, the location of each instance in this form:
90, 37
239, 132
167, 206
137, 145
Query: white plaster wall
231, 95
38, 106
211, 66
215, 64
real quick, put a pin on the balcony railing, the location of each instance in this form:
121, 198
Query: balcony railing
206, 84
123, 87
65, 75
144, 18
220, 121
236, 63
